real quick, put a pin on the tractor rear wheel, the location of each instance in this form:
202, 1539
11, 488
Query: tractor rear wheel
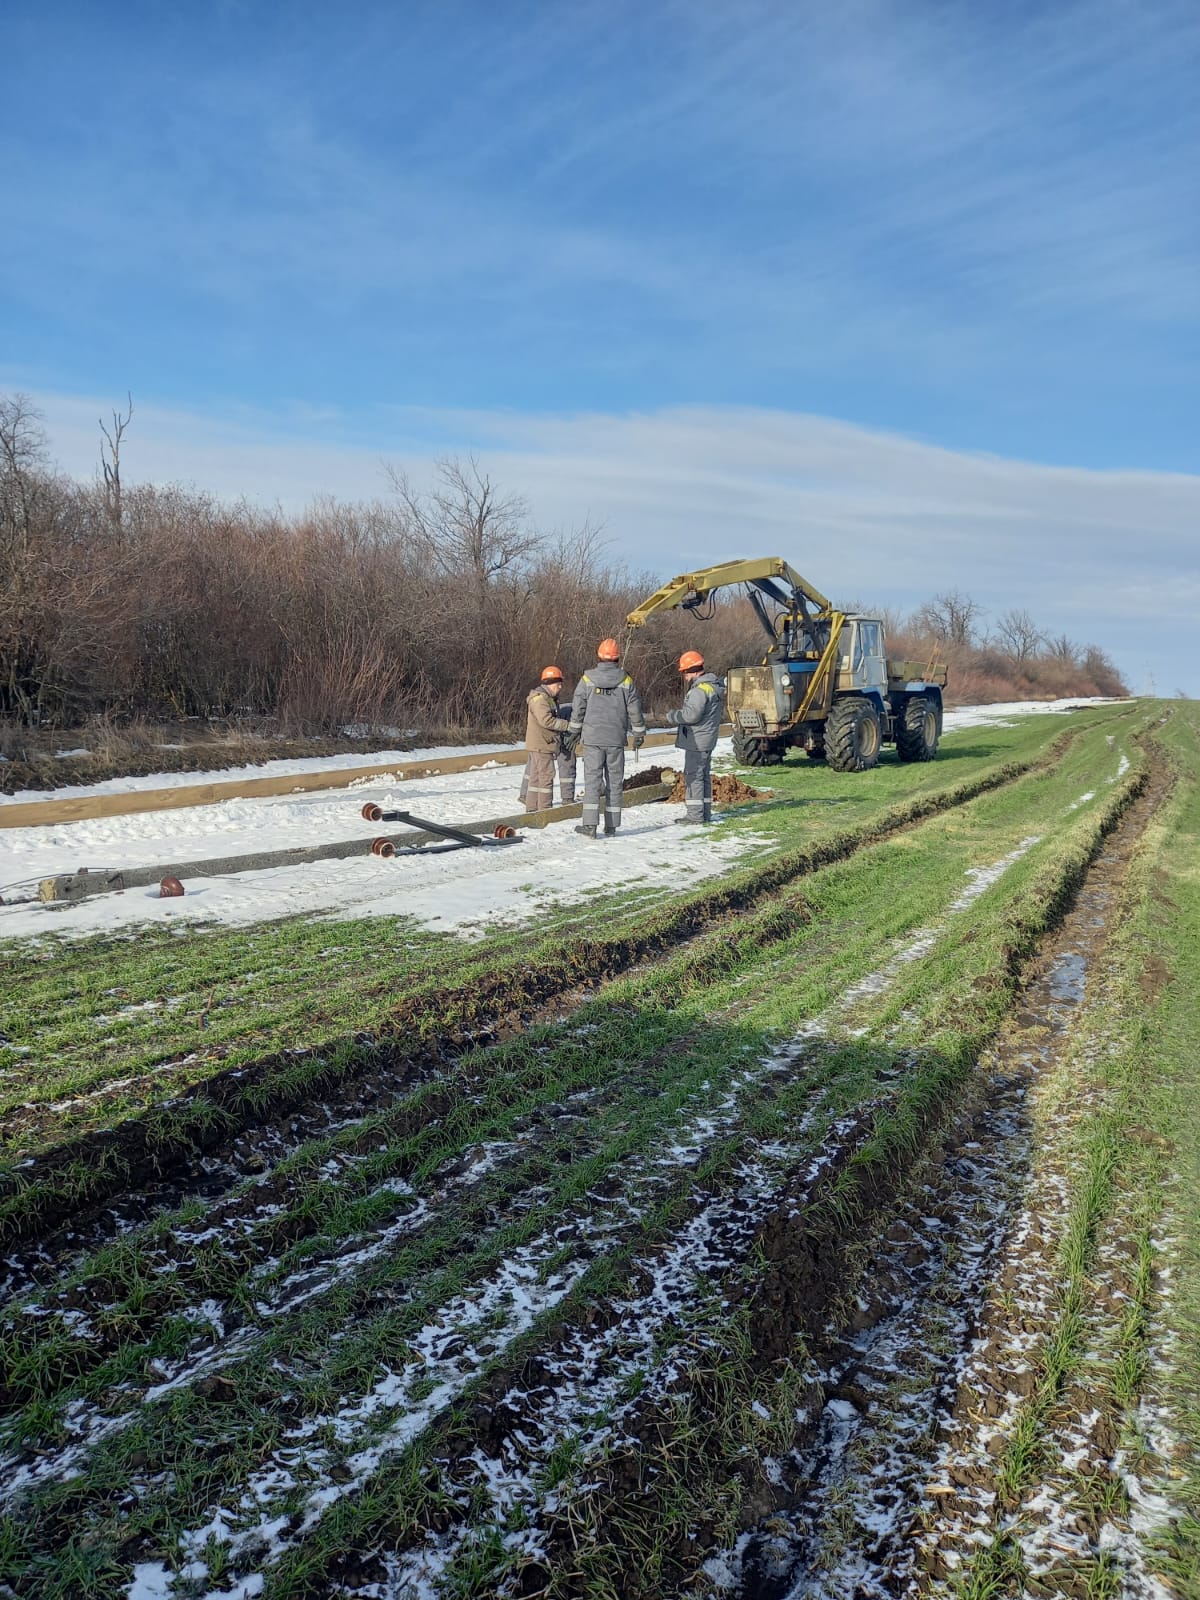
852, 735
917, 730
749, 751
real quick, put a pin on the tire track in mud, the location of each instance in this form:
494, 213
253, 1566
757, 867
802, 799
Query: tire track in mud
491, 1176
203, 1143
521, 1286
894, 1480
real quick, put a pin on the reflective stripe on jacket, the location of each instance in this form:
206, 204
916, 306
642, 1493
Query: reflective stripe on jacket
699, 719
605, 707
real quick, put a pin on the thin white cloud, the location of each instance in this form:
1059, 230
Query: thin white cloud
1109, 557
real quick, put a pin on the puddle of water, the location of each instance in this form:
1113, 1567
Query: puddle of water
1067, 978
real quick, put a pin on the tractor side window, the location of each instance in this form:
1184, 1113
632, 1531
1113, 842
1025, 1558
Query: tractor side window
850, 646
869, 634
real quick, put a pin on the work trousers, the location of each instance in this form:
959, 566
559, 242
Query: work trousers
603, 775
566, 780
539, 781
697, 783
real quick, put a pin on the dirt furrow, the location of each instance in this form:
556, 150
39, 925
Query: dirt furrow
1003, 1366
448, 1352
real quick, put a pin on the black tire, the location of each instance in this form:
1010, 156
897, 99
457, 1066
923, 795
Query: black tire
853, 735
749, 751
917, 730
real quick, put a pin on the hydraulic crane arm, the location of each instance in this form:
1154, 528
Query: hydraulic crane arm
692, 589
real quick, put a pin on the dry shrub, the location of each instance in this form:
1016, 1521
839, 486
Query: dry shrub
427, 611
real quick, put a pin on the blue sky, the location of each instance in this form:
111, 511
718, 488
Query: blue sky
550, 231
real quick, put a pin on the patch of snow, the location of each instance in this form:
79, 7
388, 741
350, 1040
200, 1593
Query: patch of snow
1000, 715
984, 877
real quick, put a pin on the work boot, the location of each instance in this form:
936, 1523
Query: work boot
587, 829
685, 822
609, 825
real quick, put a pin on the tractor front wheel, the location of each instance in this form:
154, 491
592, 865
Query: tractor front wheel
917, 730
853, 735
749, 751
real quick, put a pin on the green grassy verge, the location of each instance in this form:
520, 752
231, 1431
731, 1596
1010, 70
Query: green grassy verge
482, 1097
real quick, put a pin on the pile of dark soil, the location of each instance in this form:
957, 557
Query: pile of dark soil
648, 776
728, 790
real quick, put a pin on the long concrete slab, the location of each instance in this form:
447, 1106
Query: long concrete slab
84, 807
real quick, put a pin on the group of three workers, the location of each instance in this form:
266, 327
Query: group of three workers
605, 711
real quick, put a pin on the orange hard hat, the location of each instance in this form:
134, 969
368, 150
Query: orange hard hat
690, 661
551, 675
608, 650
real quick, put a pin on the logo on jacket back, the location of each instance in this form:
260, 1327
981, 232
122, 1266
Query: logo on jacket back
625, 683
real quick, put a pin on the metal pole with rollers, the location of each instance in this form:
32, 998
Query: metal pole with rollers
434, 839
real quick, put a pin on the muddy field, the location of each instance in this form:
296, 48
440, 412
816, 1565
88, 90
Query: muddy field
820, 1229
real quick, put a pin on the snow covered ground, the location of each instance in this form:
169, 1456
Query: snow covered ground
463, 891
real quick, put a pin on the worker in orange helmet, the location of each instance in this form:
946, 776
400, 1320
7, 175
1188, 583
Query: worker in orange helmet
605, 709
698, 724
544, 728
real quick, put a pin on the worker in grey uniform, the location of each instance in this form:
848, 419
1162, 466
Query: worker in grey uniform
699, 723
605, 710
566, 761
544, 726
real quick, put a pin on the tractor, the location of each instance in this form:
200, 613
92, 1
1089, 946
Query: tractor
826, 684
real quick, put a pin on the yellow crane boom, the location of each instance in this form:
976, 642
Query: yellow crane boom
692, 589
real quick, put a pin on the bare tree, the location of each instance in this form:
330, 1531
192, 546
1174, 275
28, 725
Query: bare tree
951, 617
1064, 649
467, 529
110, 462
1019, 635
1101, 669
22, 465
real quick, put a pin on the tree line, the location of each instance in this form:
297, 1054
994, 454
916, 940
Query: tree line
423, 609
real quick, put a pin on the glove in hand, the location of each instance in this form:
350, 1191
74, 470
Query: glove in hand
639, 740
